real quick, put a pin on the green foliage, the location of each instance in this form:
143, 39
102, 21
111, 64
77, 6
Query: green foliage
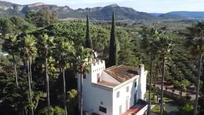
100, 39
88, 41
113, 47
14, 25
186, 109
41, 18
73, 31
10, 45
20, 25
5, 26
28, 48
82, 60
52, 111
65, 51
72, 100
194, 36
185, 82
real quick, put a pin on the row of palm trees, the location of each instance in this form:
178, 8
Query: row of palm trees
159, 45
26, 51
28, 47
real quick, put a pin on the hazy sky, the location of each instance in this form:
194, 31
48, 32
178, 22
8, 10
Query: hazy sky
158, 6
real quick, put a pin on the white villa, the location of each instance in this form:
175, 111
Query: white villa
117, 90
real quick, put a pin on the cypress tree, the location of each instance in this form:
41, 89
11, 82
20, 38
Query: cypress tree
113, 58
88, 41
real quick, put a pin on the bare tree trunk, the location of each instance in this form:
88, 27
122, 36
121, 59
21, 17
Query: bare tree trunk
48, 85
154, 80
198, 86
29, 85
150, 86
30, 66
16, 74
162, 86
64, 92
81, 92
15, 70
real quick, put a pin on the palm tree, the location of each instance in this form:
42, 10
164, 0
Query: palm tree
82, 62
65, 54
29, 50
10, 46
46, 43
164, 44
195, 41
151, 49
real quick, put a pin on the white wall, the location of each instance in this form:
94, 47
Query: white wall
97, 68
124, 96
142, 83
94, 95
98, 97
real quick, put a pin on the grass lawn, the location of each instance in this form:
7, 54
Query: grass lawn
153, 100
168, 105
156, 109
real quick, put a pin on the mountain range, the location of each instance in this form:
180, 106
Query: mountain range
97, 13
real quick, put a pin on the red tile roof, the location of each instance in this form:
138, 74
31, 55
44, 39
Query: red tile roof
122, 73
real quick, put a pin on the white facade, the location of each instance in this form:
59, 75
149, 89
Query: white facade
106, 95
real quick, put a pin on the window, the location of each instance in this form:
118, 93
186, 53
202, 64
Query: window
127, 103
84, 76
127, 89
135, 98
120, 109
98, 78
118, 94
135, 83
102, 109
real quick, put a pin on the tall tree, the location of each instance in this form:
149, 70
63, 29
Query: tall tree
46, 43
29, 51
165, 45
6, 26
65, 54
150, 49
113, 48
195, 41
88, 42
10, 45
41, 18
82, 62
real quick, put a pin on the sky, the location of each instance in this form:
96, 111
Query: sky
152, 6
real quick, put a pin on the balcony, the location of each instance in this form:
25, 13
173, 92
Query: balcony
139, 109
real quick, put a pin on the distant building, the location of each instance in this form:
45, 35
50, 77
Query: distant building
117, 90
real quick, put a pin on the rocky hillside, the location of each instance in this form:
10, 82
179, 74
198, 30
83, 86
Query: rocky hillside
97, 13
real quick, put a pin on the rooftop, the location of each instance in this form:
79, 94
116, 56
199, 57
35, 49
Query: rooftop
106, 83
122, 73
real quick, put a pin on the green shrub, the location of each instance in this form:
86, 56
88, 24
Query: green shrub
186, 109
